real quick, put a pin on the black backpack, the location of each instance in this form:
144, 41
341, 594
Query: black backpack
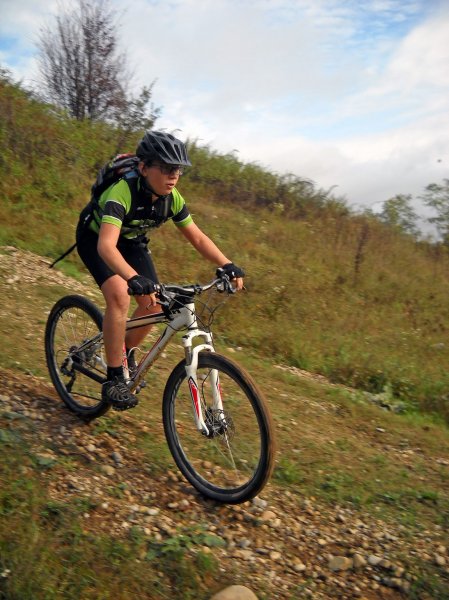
112, 172
124, 166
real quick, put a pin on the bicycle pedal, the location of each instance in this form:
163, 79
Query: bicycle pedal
141, 385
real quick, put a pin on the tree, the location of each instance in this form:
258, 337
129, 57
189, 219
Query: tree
82, 69
398, 213
436, 196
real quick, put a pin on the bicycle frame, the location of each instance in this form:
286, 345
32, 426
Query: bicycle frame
181, 318
185, 318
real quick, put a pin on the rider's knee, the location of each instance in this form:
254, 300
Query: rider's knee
118, 301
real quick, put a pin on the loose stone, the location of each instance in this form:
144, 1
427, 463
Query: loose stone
340, 563
359, 561
108, 470
235, 592
268, 515
440, 560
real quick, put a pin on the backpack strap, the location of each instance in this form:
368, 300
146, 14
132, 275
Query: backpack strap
85, 218
162, 208
93, 206
66, 253
162, 205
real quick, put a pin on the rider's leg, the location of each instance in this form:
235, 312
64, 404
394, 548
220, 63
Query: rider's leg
117, 304
115, 291
139, 257
134, 337
115, 389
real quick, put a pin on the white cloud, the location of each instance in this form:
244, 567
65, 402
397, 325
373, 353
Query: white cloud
22, 20
234, 51
19, 29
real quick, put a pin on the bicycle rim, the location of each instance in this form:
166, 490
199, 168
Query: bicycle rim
234, 462
72, 321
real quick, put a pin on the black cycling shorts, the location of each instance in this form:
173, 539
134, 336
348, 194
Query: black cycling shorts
135, 253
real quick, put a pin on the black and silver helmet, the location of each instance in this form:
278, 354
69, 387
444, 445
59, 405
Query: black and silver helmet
157, 145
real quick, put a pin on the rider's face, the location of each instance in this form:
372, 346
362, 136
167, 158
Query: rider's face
160, 177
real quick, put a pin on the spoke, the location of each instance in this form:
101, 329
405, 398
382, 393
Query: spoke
74, 328
229, 456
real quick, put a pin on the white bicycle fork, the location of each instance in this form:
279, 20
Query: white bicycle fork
192, 355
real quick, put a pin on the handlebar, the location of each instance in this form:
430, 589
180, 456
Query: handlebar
166, 292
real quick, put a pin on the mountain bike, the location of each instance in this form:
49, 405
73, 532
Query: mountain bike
216, 422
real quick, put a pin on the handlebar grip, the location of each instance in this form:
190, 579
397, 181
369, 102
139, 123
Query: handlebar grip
157, 290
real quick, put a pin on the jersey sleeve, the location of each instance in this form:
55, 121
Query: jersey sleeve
181, 214
116, 203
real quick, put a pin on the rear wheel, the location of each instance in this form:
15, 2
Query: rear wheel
77, 369
235, 460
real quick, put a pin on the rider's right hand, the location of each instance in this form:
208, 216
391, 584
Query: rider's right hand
231, 270
141, 286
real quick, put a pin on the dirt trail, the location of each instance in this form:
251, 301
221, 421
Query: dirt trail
283, 543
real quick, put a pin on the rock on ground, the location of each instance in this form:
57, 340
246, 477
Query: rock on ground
235, 592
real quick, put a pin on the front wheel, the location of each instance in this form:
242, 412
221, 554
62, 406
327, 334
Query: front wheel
235, 460
75, 355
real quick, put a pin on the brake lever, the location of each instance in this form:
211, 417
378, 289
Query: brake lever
225, 285
164, 302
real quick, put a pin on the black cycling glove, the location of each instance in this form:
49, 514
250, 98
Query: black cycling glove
141, 286
231, 270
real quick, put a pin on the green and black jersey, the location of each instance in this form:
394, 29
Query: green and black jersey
134, 213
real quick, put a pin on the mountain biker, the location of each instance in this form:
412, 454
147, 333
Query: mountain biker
112, 243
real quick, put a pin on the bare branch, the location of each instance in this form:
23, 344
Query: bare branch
83, 70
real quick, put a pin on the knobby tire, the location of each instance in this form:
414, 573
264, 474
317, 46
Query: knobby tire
234, 465
72, 320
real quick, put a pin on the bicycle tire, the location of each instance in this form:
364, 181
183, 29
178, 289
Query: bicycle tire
72, 320
219, 475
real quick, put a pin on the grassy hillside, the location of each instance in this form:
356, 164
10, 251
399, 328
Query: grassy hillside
329, 291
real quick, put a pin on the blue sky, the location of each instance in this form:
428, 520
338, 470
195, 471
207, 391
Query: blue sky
348, 93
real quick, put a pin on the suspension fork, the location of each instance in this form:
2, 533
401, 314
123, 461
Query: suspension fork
192, 356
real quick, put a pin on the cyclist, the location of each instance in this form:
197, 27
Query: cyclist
112, 243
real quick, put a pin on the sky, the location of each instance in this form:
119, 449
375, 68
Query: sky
352, 94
